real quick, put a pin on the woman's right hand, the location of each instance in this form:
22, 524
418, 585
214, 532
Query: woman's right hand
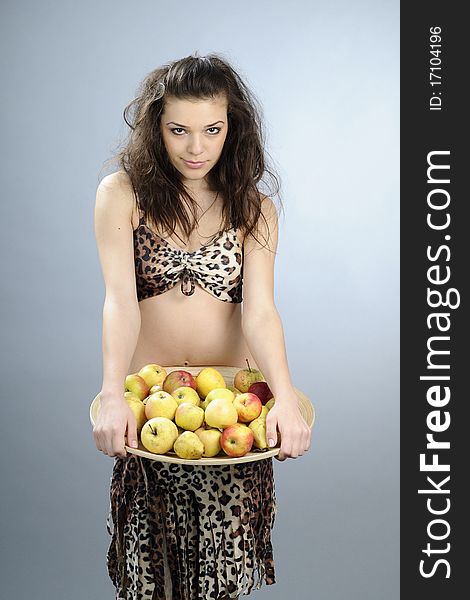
114, 418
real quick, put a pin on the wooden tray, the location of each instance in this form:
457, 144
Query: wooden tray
305, 406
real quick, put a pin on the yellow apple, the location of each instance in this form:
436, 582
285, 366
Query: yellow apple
160, 404
211, 439
221, 413
217, 393
137, 407
155, 388
186, 394
188, 416
158, 435
135, 383
152, 374
237, 440
208, 379
188, 446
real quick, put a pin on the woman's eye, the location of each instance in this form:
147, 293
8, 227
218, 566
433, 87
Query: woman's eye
217, 129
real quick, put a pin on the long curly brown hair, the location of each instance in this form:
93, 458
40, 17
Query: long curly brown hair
242, 165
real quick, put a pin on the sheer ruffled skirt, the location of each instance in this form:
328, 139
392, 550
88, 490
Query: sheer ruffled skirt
185, 532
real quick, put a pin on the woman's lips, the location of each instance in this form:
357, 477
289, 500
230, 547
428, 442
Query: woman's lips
194, 165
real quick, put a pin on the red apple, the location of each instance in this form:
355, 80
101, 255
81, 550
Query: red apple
248, 407
261, 389
177, 379
136, 384
237, 440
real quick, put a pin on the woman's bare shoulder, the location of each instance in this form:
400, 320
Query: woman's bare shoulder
118, 186
119, 181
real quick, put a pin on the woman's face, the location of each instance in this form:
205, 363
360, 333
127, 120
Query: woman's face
194, 130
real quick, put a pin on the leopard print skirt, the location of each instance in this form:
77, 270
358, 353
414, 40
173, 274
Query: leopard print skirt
190, 532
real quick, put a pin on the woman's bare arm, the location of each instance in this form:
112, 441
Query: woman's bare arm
263, 331
121, 313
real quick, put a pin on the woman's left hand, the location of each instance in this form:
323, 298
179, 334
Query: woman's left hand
294, 432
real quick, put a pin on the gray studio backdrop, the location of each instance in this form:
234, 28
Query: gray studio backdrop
327, 76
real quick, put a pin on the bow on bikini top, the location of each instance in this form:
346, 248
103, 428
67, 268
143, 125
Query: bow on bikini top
217, 267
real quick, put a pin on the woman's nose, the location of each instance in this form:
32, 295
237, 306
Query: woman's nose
195, 145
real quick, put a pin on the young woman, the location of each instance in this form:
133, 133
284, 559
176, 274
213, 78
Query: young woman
178, 230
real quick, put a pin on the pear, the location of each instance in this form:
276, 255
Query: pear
264, 412
188, 446
270, 403
258, 427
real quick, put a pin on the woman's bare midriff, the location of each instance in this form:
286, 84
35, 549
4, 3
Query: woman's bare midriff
189, 331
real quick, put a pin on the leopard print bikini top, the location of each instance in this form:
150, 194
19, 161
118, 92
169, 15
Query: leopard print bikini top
217, 267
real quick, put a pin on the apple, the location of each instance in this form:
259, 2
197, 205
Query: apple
186, 394
233, 389
217, 393
188, 416
237, 440
248, 407
270, 403
152, 374
136, 384
210, 437
177, 379
221, 413
158, 435
137, 407
261, 389
245, 377
155, 388
189, 446
160, 404
208, 379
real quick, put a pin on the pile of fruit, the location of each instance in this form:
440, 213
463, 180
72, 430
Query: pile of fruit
199, 416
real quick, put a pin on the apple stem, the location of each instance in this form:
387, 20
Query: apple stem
249, 368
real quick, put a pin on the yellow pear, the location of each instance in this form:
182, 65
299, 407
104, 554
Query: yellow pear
264, 412
211, 439
270, 403
188, 446
208, 379
258, 427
